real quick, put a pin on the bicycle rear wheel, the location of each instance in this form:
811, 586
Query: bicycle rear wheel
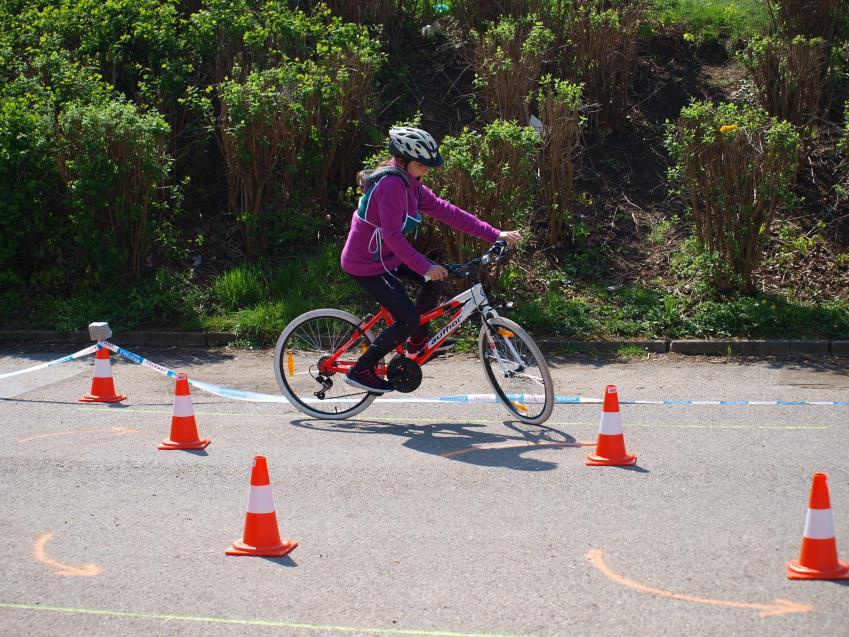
516, 370
308, 342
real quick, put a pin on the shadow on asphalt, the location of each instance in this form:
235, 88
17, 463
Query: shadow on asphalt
282, 561
840, 367
194, 452
633, 468
66, 402
461, 442
557, 360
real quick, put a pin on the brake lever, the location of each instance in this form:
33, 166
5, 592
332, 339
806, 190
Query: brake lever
461, 272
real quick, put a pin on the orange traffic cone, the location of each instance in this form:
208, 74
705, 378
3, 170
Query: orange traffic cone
102, 385
610, 448
261, 536
184, 429
818, 559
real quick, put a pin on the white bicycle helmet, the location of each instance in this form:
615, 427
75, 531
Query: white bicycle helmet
414, 144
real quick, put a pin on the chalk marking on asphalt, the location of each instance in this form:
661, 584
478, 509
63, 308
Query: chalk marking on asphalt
251, 622
122, 410
527, 444
68, 570
778, 607
115, 431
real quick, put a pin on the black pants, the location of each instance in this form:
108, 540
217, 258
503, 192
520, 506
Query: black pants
390, 293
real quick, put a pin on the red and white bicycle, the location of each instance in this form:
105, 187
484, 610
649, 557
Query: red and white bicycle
316, 350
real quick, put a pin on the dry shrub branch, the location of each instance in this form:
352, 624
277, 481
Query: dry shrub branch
792, 77
559, 105
603, 37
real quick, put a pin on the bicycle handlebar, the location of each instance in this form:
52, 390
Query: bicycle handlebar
496, 253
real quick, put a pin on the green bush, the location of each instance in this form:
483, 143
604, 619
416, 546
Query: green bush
167, 298
492, 175
282, 129
264, 123
792, 76
29, 181
509, 56
603, 43
116, 168
736, 167
39, 246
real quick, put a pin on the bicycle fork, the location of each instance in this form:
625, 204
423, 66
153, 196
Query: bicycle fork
488, 313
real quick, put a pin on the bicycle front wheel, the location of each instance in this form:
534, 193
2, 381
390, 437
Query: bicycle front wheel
516, 370
310, 364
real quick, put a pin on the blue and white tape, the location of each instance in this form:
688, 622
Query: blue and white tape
250, 396
83, 352
237, 394
141, 360
584, 400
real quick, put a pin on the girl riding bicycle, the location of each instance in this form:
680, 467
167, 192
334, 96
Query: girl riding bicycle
378, 256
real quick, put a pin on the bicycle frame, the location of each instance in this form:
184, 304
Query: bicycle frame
466, 304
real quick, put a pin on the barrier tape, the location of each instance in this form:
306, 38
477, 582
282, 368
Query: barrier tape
241, 394
583, 400
64, 359
141, 360
250, 396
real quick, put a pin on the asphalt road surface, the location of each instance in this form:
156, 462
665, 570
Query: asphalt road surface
421, 519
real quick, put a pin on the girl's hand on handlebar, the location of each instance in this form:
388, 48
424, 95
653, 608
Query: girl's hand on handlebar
436, 273
512, 237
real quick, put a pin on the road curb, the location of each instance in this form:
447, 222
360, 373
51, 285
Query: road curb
692, 347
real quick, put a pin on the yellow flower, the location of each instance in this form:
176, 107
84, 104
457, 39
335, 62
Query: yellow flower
728, 128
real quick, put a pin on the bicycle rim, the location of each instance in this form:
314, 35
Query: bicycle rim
517, 371
306, 341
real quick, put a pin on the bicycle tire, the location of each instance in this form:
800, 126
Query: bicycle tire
307, 328
519, 407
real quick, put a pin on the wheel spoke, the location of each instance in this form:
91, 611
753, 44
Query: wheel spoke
312, 390
517, 371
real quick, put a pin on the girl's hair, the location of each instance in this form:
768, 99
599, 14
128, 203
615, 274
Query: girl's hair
364, 174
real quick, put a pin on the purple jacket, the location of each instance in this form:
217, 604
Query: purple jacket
387, 210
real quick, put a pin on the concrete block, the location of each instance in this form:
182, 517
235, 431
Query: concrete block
702, 347
809, 347
840, 348
219, 339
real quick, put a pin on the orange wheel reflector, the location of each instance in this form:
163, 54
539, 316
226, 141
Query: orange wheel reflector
290, 361
520, 406
505, 333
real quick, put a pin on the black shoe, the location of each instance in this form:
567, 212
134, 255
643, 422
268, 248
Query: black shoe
368, 380
414, 348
